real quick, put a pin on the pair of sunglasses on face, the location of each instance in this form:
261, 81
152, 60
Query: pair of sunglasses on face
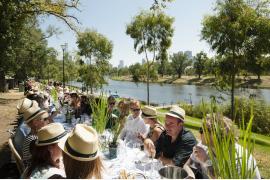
135, 109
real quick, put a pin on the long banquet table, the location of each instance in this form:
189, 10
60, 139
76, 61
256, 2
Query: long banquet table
130, 159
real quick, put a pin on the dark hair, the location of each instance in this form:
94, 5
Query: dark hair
41, 157
110, 98
82, 169
37, 98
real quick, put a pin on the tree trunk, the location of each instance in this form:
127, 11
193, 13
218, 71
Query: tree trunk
148, 74
2, 81
259, 76
199, 76
232, 89
179, 75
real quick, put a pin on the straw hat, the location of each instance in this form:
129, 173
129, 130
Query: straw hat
177, 112
34, 112
51, 134
149, 112
82, 143
25, 104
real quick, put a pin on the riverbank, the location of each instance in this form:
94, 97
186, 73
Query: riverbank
249, 82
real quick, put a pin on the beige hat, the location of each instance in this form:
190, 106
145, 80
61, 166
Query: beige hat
51, 134
149, 112
177, 112
82, 143
25, 104
34, 113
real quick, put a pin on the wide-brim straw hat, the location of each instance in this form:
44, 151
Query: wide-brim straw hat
177, 112
81, 144
51, 134
34, 112
149, 112
25, 104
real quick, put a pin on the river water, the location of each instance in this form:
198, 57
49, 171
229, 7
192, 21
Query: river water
164, 94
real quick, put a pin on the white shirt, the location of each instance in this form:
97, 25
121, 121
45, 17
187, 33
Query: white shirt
132, 128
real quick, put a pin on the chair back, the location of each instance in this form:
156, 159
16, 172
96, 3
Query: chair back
16, 156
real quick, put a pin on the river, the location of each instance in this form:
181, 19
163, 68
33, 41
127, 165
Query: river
164, 94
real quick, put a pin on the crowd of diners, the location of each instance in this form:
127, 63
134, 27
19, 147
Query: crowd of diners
49, 151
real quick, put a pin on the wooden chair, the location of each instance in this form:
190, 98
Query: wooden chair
16, 156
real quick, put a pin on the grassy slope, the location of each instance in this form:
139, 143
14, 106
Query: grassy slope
261, 149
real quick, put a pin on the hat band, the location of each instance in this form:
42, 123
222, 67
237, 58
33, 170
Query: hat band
31, 104
53, 139
77, 154
177, 114
34, 114
146, 115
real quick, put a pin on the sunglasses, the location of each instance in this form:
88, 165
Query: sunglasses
135, 110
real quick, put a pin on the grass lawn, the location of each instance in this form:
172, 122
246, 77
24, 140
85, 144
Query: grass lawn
261, 149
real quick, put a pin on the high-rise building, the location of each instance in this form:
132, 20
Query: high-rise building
189, 54
143, 61
121, 64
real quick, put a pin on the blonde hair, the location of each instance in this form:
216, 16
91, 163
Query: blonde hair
82, 169
135, 103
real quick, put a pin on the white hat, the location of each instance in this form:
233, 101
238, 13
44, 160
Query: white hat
25, 104
34, 112
82, 143
149, 112
177, 112
51, 134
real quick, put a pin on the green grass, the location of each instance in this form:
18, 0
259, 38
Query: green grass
261, 149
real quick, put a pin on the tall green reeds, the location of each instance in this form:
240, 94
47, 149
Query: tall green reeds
99, 112
229, 159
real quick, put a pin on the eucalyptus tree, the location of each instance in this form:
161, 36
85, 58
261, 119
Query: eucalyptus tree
97, 50
152, 33
15, 15
233, 32
200, 63
179, 62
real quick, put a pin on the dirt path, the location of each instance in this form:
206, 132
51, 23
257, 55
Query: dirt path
8, 111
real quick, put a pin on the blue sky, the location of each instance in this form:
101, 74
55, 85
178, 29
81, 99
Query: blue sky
110, 18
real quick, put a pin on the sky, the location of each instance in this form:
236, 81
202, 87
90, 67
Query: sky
110, 17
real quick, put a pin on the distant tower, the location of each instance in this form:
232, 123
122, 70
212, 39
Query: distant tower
121, 64
143, 61
189, 54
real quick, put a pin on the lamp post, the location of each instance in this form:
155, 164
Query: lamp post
64, 47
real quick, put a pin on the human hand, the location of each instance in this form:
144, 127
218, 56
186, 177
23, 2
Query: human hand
150, 147
200, 154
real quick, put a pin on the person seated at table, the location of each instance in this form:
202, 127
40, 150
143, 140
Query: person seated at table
85, 106
134, 125
22, 129
35, 118
113, 113
175, 144
200, 162
76, 104
46, 159
81, 156
149, 114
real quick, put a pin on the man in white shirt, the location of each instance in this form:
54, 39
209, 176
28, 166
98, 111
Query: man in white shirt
134, 125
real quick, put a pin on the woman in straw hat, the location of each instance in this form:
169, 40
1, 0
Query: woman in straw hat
47, 154
149, 114
81, 154
35, 118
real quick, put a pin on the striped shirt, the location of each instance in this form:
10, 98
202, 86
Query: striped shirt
26, 149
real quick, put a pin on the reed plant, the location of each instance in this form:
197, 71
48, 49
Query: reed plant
229, 159
99, 112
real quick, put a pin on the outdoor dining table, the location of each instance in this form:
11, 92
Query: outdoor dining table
130, 158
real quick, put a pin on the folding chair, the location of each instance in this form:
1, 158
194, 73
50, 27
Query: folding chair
16, 156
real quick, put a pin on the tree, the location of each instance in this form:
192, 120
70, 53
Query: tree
152, 32
199, 63
229, 32
179, 62
15, 16
98, 50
